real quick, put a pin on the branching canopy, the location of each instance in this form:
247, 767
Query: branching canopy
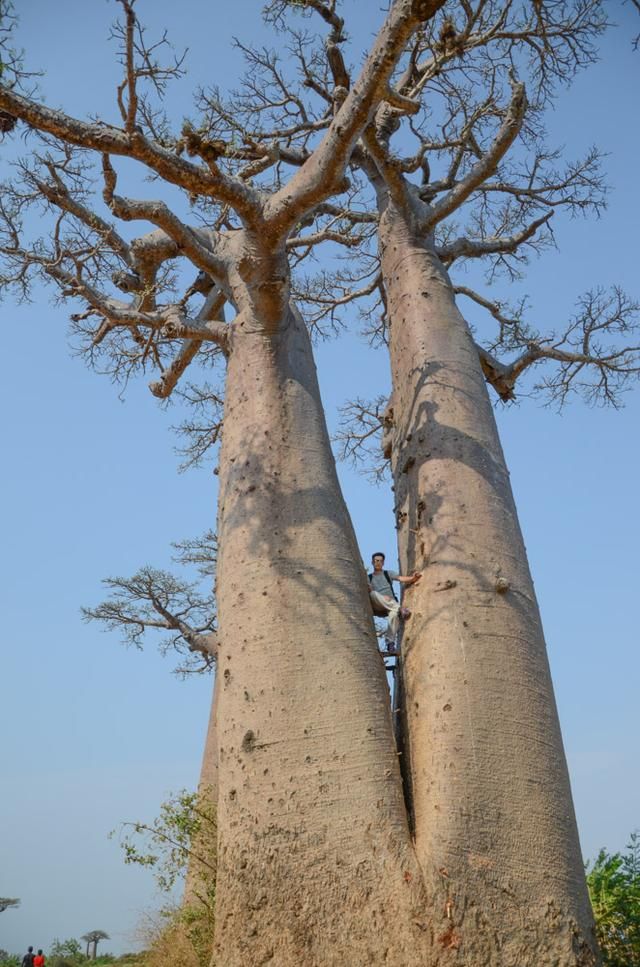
176, 610
445, 118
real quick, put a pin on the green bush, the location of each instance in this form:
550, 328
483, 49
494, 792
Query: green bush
66, 953
614, 888
180, 843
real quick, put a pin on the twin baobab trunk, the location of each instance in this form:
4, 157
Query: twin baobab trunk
484, 765
315, 863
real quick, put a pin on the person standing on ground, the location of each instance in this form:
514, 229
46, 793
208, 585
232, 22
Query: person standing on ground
383, 598
28, 959
38, 960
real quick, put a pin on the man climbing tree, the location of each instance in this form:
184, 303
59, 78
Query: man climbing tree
383, 597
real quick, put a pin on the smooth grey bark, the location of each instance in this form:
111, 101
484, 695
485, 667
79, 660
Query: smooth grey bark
484, 765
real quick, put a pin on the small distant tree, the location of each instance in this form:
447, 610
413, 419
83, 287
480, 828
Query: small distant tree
65, 953
614, 887
7, 902
92, 939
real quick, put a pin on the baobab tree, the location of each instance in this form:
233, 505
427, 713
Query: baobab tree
476, 740
297, 792
311, 810
92, 939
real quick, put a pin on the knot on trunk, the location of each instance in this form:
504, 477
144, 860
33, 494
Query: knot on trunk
249, 741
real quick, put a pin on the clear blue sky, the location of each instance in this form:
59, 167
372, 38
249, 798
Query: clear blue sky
94, 734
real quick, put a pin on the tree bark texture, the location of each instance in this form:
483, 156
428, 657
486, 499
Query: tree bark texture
209, 771
315, 861
483, 760
198, 874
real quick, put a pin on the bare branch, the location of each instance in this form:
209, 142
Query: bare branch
597, 370
322, 173
488, 163
58, 194
157, 601
202, 552
7, 903
325, 235
130, 25
202, 428
636, 39
511, 327
360, 437
346, 214
213, 309
106, 139
196, 245
471, 248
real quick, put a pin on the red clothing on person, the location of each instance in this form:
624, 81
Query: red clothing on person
38, 960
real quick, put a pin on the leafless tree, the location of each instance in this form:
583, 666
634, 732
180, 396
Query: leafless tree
461, 170
92, 939
157, 601
470, 144
289, 580
461, 91
447, 163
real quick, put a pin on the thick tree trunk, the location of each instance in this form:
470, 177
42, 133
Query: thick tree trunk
489, 792
315, 863
199, 874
